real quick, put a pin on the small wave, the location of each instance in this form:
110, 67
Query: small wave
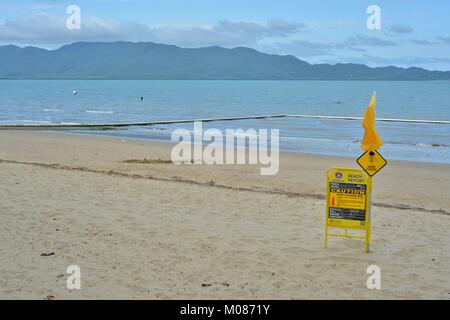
34, 121
100, 111
287, 138
52, 110
69, 123
418, 144
432, 145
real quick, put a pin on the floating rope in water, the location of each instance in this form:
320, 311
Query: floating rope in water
106, 126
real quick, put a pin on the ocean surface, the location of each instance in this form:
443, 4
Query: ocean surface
102, 101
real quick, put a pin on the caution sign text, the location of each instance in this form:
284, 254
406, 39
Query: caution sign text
347, 201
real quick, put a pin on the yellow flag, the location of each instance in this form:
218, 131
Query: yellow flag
371, 141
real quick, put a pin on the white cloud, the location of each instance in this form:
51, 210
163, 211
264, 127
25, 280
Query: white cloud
422, 42
445, 40
401, 28
304, 48
48, 29
361, 41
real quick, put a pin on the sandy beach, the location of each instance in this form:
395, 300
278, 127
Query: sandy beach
141, 227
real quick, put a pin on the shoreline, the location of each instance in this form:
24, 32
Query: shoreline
141, 227
282, 150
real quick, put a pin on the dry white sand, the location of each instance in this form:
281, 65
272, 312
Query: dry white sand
157, 230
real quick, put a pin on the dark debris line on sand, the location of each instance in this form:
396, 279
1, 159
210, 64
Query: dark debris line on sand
148, 161
209, 184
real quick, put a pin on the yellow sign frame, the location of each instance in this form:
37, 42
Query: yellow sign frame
350, 188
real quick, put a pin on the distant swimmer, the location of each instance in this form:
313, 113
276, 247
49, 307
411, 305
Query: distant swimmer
142, 98
75, 92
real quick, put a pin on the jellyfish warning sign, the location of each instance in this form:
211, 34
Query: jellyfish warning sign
371, 162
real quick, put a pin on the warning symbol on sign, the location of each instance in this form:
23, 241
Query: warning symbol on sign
371, 162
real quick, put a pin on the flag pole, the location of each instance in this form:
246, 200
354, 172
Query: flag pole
370, 215
370, 204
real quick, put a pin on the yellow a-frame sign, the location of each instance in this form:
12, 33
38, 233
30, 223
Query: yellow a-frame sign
348, 203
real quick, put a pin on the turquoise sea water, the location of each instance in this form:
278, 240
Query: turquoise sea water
52, 101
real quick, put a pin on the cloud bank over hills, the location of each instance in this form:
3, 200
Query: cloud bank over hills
401, 42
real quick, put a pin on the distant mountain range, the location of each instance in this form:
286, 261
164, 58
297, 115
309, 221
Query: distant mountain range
146, 60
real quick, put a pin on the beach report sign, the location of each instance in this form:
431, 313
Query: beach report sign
348, 203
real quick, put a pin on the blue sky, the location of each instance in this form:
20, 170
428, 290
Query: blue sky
413, 33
